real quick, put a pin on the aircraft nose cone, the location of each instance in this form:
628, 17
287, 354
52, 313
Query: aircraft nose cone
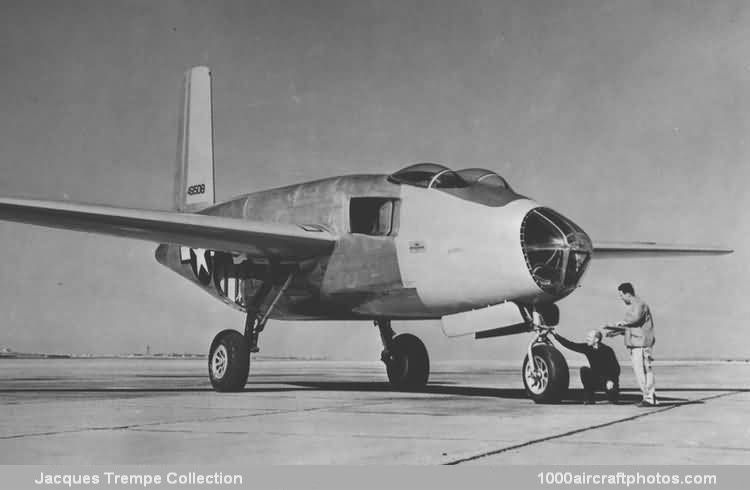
557, 251
579, 241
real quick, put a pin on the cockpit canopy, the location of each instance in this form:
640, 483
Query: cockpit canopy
428, 175
484, 177
436, 176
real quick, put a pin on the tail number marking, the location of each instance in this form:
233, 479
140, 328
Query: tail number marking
196, 189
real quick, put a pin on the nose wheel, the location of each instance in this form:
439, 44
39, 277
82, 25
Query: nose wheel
546, 376
537, 375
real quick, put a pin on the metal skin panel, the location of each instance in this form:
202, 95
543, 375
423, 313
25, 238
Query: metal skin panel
361, 265
321, 202
363, 280
461, 255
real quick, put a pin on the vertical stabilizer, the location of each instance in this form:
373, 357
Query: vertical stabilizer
194, 183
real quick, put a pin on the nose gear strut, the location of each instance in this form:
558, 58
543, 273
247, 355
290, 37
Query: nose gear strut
386, 336
541, 331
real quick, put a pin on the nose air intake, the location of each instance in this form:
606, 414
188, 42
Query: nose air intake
557, 251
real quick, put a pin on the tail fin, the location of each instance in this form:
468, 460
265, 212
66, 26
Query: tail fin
194, 182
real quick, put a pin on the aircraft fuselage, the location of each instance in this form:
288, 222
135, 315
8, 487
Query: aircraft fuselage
402, 251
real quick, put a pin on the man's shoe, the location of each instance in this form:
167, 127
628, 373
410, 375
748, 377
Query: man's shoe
644, 403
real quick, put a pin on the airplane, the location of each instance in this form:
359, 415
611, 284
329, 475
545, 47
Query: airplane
423, 243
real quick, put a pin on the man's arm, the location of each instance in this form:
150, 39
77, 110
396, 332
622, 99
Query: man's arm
570, 345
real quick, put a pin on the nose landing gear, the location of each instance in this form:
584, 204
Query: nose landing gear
545, 370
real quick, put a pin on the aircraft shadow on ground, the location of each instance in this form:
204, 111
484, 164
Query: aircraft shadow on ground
574, 396
138, 390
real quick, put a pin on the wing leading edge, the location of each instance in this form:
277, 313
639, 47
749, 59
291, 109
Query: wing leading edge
254, 238
613, 250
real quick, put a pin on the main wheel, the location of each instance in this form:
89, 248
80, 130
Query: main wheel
550, 382
407, 365
228, 361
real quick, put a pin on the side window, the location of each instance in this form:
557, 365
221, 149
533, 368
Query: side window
374, 216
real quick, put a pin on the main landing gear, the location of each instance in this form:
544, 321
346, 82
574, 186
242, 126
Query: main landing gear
405, 356
229, 355
229, 361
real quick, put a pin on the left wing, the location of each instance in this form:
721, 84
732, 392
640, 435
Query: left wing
254, 238
611, 250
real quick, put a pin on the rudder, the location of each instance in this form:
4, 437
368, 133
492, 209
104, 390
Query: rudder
194, 181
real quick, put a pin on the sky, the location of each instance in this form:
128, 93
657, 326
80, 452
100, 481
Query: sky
630, 117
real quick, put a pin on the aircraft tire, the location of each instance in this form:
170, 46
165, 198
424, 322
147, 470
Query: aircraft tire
551, 385
228, 361
408, 366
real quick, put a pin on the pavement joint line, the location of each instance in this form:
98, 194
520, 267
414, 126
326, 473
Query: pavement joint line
156, 424
585, 429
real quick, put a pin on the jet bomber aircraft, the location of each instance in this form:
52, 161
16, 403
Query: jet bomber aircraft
425, 242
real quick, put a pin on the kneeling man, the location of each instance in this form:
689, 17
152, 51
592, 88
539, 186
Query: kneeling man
603, 372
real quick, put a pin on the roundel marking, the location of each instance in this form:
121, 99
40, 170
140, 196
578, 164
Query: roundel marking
201, 262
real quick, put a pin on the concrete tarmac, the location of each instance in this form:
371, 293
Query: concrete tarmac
123, 411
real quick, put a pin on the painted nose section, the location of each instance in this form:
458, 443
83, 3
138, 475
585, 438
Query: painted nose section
557, 251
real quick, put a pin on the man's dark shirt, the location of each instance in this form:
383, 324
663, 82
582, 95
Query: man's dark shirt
602, 359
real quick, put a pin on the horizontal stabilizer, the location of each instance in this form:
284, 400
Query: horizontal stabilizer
609, 250
253, 238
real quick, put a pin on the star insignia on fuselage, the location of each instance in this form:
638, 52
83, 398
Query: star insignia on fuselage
201, 261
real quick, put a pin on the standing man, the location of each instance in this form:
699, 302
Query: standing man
638, 328
603, 371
